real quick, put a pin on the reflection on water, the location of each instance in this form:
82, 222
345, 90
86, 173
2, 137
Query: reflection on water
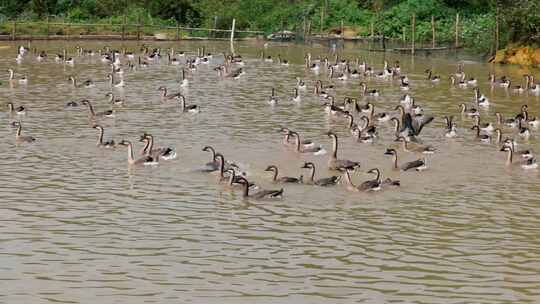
78, 226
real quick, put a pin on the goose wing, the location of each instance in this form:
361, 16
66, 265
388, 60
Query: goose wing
327, 181
343, 164
268, 194
368, 185
418, 124
412, 165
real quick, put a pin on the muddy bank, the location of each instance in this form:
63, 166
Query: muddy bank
522, 55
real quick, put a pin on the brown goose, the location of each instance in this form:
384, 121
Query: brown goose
339, 164
283, 179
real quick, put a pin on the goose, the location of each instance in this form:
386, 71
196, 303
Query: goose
522, 88
273, 99
486, 127
283, 62
503, 82
213, 165
527, 164
406, 99
172, 60
339, 164
511, 122
524, 115
404, 85
233, 180
482, 137
357, 133
142, 64
42, 56
72, 104
432, 78
19, 139
148, 149
418, 165
86, 84
145, 160
315, 150
19, 58
468, 112
523, 131
261, 194
481, 100
471, 81
323, 182
331, 108
92, 114
100, 143
168, 97
525, 154
119, 84
193, 109
416, 148
22, 80
20, 110
296, 97
70, 61
451, 127
370, 185
113, 100
366, 92
283, 179
185, 82
306, 143
300, 84
460, 73
461, 83
534, 122
415, 124
533, 87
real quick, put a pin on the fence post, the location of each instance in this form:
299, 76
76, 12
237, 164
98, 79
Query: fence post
342, 29
13, 30
404, 35
124, 27
372, 29
497, 28
457, 30
232, 35
138, 27
413, 33
322, 20
177, 31
215, 27
433, 31
47, 27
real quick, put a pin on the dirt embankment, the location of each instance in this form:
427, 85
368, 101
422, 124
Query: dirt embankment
522, 55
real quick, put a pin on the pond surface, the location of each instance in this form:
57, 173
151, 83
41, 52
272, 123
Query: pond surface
78, 225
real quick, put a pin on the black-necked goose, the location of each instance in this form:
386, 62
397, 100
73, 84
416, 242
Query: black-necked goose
431, 77
418, 165
145, 160
261, 194
168, 97
100, 143
22, 80
92, 114
527, 164
339, 164
468, 112
193, 108
324, 182
486, 127
114, 101
367, 186
315, 150
482, 137
19, 138
451, 127
511, 122
481, 100
165, 153
86, 84
20, 110
283, 179
371, 92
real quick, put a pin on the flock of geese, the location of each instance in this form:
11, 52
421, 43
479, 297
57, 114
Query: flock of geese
362, 120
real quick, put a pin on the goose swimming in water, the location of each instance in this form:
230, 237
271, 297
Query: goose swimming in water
22, 80
416, 148
486, 127
527, 164
168, 97
323, 182
418, 165
100, 143
283, 179
296, 97
451, 127
92, 114
261, 194
367, 186
148, 149
114, 101
482, 137
114, 84
431, 77
306, 143
193, 109
86, 84
213, 165
481, 100
20, 110
339, 164
146, 160
468, 112
366, 92
19, 138
273, 99
315, 150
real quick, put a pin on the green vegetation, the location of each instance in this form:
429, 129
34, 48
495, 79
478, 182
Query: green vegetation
519, 20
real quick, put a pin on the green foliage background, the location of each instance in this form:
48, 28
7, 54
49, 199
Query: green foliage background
520, 20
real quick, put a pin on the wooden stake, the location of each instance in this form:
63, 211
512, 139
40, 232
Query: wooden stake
47, 27
413, 33
457, 30
372, 29
322, 20
124, 27
497, 29
177, 31
232, 35
433, 31
342, 29
139, 28
13, 30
